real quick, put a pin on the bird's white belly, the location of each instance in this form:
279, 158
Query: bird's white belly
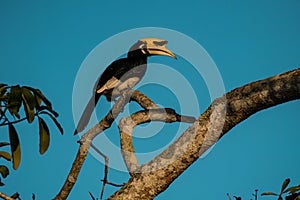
127, 84
116, 87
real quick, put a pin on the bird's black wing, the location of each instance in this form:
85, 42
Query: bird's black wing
122, 69
130, 67
87, 113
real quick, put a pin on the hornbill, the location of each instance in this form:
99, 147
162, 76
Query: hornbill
123, 74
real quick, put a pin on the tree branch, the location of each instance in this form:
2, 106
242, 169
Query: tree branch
87, 138
127, 124
223, 114
106, 159
143, 100
85, 143
4, 196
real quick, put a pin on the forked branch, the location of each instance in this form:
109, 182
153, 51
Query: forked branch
87, 138
86, 141
223, 114
127, 124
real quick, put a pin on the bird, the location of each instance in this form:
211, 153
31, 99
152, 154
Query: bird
123, 74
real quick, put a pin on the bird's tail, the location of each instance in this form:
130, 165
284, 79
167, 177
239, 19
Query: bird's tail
87, 113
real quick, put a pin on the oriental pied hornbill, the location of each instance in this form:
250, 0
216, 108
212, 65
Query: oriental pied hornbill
123, 74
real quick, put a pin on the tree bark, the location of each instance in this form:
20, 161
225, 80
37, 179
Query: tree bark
150, 179
127, 124
223, 114
85, 143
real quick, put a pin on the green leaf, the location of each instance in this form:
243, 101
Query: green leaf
38, 101
51, 111
44, 136
293, 189
15, 146
2, 144
285, 184
3, 98
55, 121
1, 183
4, 171
29, 104
269, 193
3, 88
14, 100
40, 95
5, 155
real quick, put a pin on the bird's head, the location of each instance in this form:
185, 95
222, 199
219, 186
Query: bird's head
150, 47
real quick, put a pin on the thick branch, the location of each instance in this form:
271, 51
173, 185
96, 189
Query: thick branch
143, 100
224, 113
127, 124
85, 143
87, 138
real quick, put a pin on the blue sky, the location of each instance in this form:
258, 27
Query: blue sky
43, 44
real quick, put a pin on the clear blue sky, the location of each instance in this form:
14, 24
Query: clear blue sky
43, 44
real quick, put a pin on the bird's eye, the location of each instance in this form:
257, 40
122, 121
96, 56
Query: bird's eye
142, 45
160, 43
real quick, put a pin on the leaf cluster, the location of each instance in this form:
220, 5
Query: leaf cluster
284, 190
291, 193
16, 101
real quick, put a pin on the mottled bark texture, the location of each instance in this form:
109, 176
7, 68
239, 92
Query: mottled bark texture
223, 114
87, 138
127, 124
85, 143
148, 180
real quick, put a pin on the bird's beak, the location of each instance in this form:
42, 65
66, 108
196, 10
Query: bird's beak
161, 50
157, 46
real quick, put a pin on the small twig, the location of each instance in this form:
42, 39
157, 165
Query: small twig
105, 179
85, 143
3, 113
105, 168
93, 198
6, 122
13, 122
114, 184
255, 194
